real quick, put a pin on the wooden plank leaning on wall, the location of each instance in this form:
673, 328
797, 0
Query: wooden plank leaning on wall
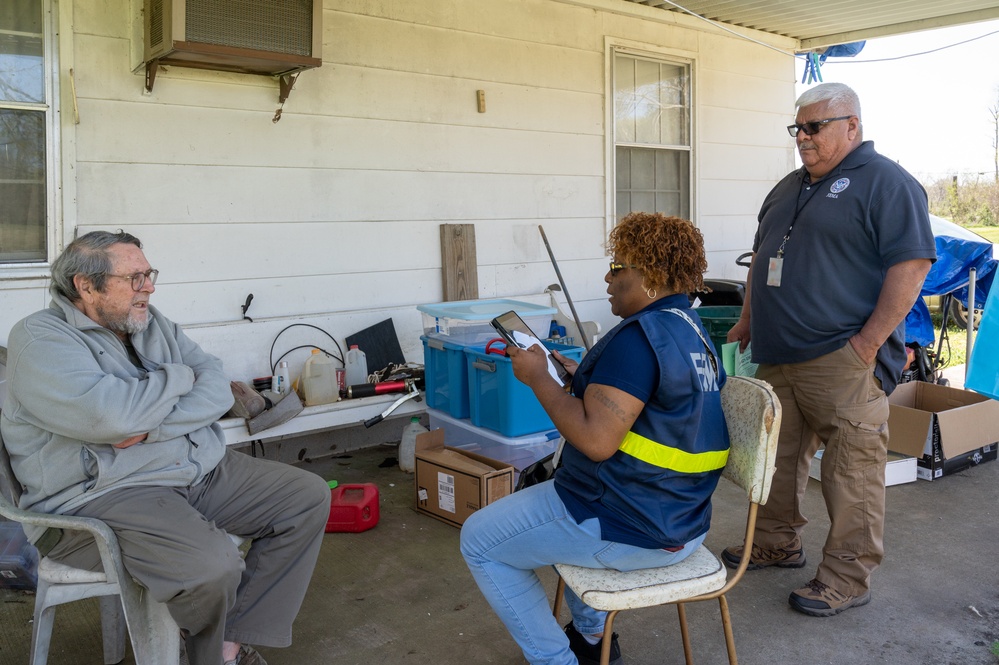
459, 270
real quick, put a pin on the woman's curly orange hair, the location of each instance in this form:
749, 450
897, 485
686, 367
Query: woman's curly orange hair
668, 250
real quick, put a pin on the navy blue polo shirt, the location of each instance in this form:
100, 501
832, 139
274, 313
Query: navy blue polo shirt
846, 230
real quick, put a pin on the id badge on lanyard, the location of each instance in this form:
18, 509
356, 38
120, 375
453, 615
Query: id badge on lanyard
774, 271
776, 266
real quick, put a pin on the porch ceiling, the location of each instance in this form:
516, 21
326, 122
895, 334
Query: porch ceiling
818, 23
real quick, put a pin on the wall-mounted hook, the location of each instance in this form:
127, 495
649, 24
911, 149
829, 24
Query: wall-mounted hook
246, 306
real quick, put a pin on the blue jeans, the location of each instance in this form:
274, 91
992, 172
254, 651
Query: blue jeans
505, 542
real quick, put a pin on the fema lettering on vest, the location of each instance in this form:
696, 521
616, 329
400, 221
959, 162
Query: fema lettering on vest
705, 372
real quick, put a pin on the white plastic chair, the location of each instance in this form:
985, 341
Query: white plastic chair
752, 413
154, 634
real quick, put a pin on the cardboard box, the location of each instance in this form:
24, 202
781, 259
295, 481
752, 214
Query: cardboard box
452, 484
900, 468
946, 429
938, 466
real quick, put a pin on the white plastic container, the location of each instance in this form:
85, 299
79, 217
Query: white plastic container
319, 384
407, 446
281, 382
357, 366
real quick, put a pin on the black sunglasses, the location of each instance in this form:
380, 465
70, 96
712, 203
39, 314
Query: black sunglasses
812, 127
615, 268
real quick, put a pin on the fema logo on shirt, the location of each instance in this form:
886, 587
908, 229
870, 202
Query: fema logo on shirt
839, 185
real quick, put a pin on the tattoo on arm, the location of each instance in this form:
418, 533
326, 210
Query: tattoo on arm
612, 406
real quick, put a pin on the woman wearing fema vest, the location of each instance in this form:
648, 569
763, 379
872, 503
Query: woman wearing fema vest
646, 444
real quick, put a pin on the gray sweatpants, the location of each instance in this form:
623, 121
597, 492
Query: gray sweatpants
173, 542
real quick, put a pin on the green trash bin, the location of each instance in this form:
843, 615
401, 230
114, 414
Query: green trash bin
718, 320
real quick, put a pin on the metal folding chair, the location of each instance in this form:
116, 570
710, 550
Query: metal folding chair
752, 413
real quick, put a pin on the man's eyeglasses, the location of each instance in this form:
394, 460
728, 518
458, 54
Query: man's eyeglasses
615, 268
139, 279
812, 127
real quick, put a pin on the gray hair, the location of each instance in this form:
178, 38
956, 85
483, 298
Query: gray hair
839, 95
87, 255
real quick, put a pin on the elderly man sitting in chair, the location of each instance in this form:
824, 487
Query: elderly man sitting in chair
111, 413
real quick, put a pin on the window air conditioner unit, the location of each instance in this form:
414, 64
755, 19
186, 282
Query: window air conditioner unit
267, 37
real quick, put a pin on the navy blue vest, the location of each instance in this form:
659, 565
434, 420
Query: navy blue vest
655, 491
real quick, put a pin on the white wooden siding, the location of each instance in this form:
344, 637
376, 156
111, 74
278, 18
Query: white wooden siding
331, 215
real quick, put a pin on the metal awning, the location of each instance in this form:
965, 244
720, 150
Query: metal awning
818, 23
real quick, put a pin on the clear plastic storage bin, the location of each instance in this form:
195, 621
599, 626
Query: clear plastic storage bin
466, 322
519, 452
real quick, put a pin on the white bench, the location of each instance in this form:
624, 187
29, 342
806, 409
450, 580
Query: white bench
347, 413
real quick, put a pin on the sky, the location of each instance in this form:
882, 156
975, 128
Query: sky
930, 113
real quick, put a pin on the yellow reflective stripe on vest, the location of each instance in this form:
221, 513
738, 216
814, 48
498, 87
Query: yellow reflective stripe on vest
666, 457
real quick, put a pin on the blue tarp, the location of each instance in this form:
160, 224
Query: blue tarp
842, 51
815, 59
958, 250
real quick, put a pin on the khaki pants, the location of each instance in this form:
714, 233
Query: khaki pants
835, 400
172, 544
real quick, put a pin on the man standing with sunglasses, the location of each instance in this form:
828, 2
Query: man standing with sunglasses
112, 413
840, 254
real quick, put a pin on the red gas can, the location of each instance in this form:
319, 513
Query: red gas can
353, 508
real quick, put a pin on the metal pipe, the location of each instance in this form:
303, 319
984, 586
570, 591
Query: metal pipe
970, 319
558, 273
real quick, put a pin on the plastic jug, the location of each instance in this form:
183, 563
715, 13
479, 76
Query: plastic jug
281, 382
319, 379
357, 366
407, 446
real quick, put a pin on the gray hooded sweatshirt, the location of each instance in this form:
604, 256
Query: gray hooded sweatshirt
73, 393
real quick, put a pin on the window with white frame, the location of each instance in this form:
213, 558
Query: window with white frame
651, 136
24, 123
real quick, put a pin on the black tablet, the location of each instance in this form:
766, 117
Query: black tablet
517, 333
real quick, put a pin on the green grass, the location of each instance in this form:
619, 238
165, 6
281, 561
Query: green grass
954, 351
990, 232
958, 341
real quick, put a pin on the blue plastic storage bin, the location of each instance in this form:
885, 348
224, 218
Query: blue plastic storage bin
498, 401
446, 376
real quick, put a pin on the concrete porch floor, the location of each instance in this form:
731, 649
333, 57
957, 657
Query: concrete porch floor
400, 592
